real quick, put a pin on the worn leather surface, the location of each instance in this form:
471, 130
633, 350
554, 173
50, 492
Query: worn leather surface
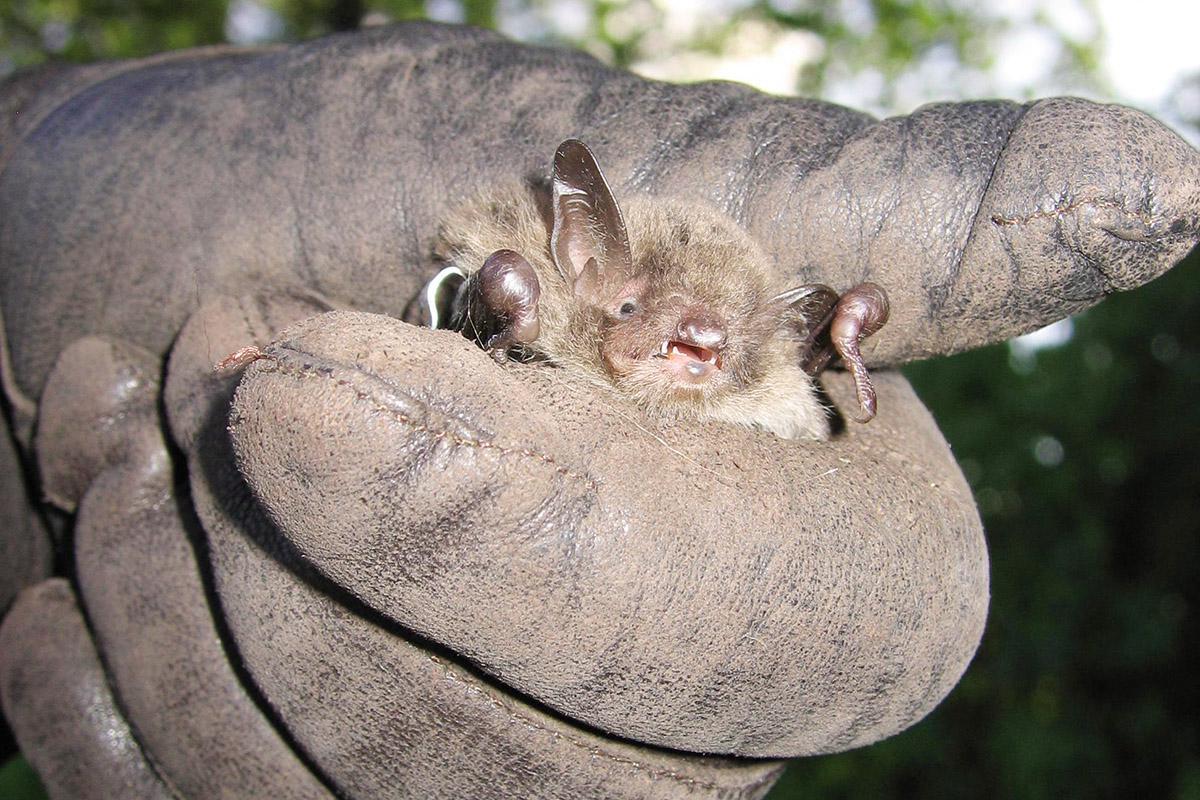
25, 547
707, 588
401, 569
60, 705
380, 710
102, 449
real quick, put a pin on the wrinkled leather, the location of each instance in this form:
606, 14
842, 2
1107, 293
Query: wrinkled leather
705, 589
154, 622
398, 568
25, 547
60, 705
379, 710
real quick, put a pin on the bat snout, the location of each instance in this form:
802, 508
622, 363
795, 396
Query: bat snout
702, 329
692, 354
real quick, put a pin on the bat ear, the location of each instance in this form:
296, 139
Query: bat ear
588, 241
806, 308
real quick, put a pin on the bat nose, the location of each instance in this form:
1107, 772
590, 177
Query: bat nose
703, 329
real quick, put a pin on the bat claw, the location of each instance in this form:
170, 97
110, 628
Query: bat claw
832, 325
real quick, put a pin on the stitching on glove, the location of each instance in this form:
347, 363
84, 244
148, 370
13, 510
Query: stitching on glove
1058, 211
276, 365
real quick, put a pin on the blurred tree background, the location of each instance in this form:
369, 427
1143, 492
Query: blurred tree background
1080, 442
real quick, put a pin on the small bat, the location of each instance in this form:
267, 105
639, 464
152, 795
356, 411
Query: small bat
672, 305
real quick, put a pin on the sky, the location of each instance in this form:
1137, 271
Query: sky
1146, 59
1145, 54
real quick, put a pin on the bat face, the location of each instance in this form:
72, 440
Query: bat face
672, 347
691, 322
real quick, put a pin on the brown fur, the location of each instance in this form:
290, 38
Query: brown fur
683, 255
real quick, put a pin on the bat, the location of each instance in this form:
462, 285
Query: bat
673, 305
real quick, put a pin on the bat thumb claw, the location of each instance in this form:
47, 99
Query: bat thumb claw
865, 392
859, 313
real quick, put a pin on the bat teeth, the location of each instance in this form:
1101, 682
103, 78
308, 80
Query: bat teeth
694, 355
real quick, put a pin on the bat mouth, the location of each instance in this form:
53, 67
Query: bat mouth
688, 362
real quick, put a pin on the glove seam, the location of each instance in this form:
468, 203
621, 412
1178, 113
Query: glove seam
277, 365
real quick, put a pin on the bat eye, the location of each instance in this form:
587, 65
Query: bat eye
627, 309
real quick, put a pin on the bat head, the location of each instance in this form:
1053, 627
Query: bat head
685, 317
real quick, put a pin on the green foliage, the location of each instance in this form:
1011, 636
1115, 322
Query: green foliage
950, 43
18, 781
891, 37
85, 30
